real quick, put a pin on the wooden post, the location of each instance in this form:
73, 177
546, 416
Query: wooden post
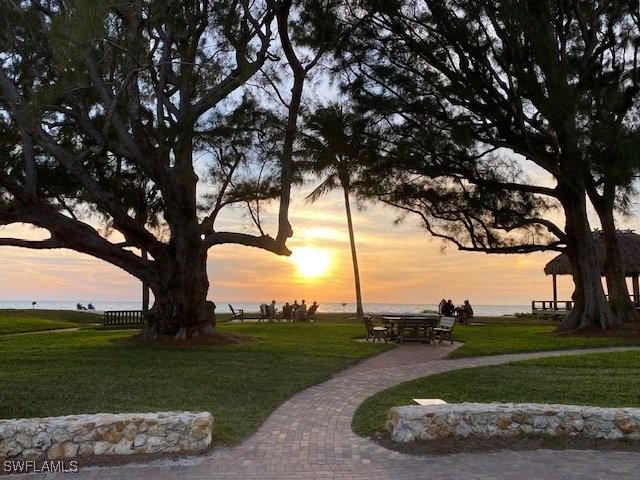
145, 290
636, 289
555, 292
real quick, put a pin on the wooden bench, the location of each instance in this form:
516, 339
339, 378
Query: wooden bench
415, 329
444, 331
123, 318
556, 309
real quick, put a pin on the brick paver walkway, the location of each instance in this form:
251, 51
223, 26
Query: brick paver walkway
309, 437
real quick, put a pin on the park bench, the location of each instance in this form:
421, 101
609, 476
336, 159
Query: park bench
444, 331
123, 318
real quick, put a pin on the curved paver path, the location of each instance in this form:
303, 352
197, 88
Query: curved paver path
309, 437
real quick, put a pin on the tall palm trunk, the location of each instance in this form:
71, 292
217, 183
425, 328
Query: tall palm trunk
352, 241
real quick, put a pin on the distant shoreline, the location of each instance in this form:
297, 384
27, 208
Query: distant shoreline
101, 312
480, 310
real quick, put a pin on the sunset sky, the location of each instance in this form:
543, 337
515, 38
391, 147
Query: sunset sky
398, 264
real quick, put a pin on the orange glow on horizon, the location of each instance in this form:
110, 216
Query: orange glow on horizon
399, 263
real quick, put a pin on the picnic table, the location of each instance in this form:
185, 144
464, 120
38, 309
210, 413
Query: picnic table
411, 328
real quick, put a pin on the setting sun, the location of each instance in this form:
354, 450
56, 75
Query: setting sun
311, 262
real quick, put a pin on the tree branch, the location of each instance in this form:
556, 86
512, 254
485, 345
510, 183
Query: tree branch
264, 242
34, 244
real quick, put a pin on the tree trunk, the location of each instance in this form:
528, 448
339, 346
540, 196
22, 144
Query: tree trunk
354, 256
614, 268
181, 308
145, 288
590, 306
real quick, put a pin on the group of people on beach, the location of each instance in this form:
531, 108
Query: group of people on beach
294, 311
448, 309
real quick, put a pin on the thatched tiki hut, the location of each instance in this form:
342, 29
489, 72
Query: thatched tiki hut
629, 249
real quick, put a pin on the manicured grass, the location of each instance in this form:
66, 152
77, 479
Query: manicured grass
320, 317
520, 319
21, 321
88, 371
494, 339
338, 318
603, 379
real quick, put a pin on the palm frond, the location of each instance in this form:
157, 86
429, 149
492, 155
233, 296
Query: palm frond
328, 184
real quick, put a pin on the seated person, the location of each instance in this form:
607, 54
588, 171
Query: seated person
449, 309
312, 310
272, 310
442, 306
301, 311
468, 309
286, 311
464, 312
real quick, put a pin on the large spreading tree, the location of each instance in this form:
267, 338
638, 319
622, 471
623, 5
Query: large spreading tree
472, 91
129, 126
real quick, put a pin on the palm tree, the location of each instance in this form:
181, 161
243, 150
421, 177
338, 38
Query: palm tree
334, 145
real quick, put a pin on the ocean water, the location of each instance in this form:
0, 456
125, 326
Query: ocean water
222, 306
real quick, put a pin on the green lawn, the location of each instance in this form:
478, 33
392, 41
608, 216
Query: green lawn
21, 321
320, 317
603, 379
495, 339
520, 319
87, 371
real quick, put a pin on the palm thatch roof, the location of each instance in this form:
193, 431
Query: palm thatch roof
629, 246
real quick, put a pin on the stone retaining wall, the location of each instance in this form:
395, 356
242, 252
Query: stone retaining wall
104, 434
432, 422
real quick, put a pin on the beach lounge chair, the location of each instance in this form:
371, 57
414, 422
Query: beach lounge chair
375, 332
239, 315
444, 331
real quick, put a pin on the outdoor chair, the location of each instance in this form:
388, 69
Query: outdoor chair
239, 315
392, 332
444, 331
286, 313
311, 313
463, 317
264, 312
375, 332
